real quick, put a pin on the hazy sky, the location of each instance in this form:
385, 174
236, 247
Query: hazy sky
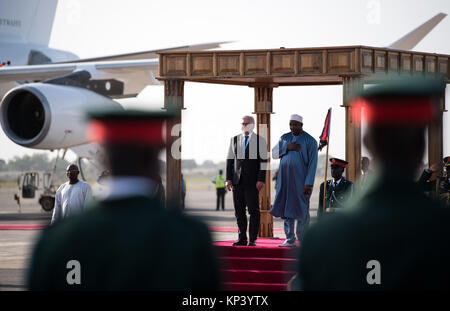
212, 115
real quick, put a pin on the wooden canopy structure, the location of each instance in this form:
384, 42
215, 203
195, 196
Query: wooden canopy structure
263, 70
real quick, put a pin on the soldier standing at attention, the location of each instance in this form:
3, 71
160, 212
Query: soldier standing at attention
338, 189
394, 237
436, 184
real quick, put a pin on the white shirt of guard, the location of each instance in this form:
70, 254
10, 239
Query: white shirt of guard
71, 199
120, 187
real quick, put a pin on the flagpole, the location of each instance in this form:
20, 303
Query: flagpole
325, 133
325, 178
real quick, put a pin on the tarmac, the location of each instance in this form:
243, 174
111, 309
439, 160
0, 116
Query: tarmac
16, 246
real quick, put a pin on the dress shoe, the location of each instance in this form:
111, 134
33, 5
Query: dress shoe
287, 244
252, 243
240, 243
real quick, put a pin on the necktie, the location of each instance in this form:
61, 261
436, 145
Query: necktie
245, 143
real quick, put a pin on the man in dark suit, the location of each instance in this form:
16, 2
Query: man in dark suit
338, 190
246, 175
127, 241
394, 237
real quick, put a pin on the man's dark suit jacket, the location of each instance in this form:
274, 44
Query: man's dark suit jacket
251, 169
131, 243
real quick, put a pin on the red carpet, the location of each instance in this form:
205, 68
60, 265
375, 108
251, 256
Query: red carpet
37, 227
265, 267
22, 227
235, 229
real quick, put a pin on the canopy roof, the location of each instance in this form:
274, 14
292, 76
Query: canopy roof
303, 66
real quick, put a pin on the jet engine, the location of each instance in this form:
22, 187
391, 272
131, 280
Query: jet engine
47, 116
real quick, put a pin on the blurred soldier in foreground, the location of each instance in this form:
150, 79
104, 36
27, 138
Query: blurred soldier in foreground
338, 190
128, 241
394, 237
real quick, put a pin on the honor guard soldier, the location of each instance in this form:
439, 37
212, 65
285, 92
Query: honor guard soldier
444, 185
433, 184
338, 190
128, 240
394, 237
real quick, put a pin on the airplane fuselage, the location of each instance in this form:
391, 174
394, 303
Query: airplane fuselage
21, 54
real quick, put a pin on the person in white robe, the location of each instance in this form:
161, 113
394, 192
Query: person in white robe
72, 196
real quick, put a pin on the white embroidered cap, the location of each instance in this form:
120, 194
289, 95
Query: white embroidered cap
296, 117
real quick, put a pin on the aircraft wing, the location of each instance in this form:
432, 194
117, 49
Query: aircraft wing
152, 53
410, 40
127, 73
132, 76
33, 73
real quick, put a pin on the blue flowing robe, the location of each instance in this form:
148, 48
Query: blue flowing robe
297, 169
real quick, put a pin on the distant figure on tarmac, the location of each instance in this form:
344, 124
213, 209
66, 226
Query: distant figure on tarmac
72, 196
129, 240
219, 180
394, 237
295, 180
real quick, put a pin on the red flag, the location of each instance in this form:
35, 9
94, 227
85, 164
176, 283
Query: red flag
326, 131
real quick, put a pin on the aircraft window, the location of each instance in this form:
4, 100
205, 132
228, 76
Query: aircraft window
31, 179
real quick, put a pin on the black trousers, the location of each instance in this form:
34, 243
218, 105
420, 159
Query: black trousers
220, 198
246, 196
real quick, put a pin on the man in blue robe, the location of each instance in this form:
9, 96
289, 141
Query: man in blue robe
298, 153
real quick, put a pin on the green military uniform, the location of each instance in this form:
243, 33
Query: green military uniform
126, 244
444, 185
438, 188
444, 191
128, 241
395, 224
393, 237
335, 197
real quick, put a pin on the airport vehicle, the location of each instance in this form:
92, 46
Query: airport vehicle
48, 90
36, 187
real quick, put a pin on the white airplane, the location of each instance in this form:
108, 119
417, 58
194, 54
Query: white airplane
47, 90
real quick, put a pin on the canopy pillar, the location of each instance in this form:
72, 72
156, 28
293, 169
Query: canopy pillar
263, 110
173, 101
352, 129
